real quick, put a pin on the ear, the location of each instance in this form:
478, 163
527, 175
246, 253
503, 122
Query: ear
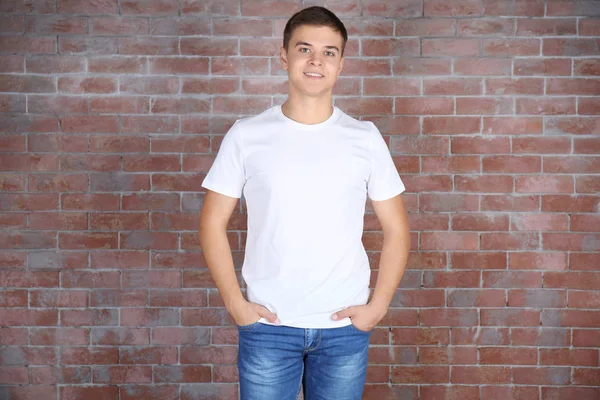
283, 58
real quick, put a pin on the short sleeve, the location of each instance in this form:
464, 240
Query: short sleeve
227, 174
384, 181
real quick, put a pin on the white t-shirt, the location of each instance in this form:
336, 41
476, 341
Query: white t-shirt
305, 188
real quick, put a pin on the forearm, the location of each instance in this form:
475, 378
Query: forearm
394, 255
217, 253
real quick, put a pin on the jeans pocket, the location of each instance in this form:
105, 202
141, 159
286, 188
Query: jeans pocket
248, 327
360, 330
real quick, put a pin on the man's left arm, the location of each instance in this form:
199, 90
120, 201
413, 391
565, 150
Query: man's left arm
392, 216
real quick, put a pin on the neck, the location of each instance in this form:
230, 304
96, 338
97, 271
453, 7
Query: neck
307, 110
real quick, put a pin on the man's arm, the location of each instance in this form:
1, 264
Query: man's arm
212, 232
392, 216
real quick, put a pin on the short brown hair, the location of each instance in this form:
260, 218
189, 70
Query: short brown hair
315, 16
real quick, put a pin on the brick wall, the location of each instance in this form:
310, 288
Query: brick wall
112, 112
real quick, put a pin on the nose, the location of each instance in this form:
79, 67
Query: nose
315, 59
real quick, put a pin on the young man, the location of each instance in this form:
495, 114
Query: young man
305, 169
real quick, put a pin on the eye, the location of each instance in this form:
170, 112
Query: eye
330, 53
304, 50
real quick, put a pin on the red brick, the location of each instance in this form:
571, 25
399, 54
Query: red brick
27, 240
59, 337
448, 317
451, 125
151, 279
567, 393
512, 125
539, 145
116, 297
480, 336
520, 8
13, 221
181, 105
499, 183
584, 261
87, 240
514, 86
424, 105
117, 65
544, 184
90, 124
392, 86
28, 44
452, 279
511, 47
151, 202
182, 373
476, 298
573, 125
154, 46
572, 241
149, 392
180, 336
509, 356
29, 162
509, 241
509, 317
542, 67
58, 298
572, 86
55, 64
484, 106
145, 85
450, 392
480, 375
450, 47
541, 261
537, 298
28, 317
12, 259
418, 298
58, 221
481, 66
30, 123
122, 374
546, 26
420, 374
556, 106
58, 183
90, 279
12, 63
541, 375
568, 357
419, 66
208, 47
485, 27
29, 202
57, 143
405, 47
565, 203
447, 202
246, 66
14, 143
95, 392
89, 317
97, 202
541, 336
52, 375
14, 375
120, 337
571, 318
586, 338
12, 24
570, 47
149, 317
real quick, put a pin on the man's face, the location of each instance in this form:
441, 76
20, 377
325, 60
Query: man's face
313, 59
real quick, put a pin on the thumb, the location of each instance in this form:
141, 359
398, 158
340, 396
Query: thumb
345, 313
268, 315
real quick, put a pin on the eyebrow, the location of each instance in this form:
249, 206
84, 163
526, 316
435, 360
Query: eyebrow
310, 45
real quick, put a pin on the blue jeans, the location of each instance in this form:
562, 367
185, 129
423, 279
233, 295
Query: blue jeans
274, 361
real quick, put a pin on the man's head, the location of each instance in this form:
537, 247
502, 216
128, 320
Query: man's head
313, 46
314, 16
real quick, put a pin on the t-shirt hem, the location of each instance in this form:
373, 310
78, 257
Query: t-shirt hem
220, 189
388, 195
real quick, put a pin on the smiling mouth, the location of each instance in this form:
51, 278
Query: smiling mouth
313, 74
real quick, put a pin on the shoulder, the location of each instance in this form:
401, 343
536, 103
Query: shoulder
256, 121
366, 128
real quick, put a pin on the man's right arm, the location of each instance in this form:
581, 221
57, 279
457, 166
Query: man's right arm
212, 232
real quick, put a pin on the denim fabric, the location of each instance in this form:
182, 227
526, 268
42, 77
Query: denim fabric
274, 361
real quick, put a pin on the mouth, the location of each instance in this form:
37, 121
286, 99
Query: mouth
313, 74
